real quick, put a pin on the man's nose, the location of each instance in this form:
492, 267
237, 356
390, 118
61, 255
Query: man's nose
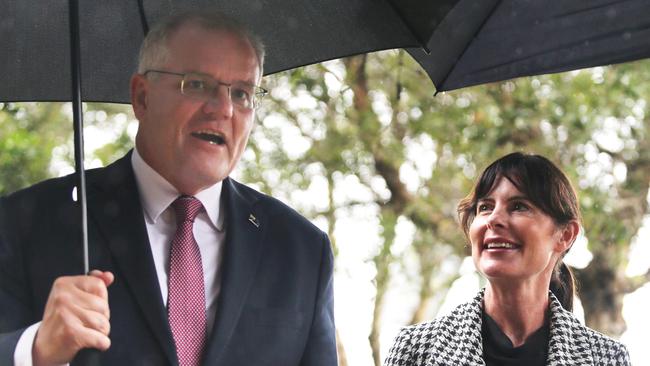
220, 103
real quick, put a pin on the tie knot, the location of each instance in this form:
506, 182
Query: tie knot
186, 207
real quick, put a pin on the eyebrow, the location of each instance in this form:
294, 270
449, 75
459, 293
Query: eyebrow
246, 82
513, 198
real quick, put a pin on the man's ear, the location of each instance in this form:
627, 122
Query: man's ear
139, 85
568, 234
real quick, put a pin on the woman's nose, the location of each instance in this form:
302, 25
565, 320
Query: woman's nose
496, 218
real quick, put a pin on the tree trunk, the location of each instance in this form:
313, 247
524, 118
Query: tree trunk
382, 262
603, 284
601, 291
343, 359
375, 331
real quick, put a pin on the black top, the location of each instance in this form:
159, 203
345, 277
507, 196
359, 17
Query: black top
498, 349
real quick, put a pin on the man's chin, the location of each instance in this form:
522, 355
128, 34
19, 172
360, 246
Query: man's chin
203, 181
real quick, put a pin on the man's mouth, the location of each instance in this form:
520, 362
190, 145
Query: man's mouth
210, 137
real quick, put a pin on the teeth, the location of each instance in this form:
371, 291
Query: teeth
210, 137
500, 246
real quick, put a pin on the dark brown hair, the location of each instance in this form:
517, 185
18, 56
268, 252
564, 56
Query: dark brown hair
547, 187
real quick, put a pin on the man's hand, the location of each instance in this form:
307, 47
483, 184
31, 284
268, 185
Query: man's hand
76, 316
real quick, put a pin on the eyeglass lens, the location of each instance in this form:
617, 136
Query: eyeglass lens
204, 87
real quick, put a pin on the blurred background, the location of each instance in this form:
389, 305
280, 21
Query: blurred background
363, 148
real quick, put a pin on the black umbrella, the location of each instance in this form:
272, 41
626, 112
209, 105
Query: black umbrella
490, 40
59, 50
458, 42
35, 41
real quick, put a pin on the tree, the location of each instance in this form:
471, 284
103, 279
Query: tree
365, 136
30, 132
37, 139
372, 119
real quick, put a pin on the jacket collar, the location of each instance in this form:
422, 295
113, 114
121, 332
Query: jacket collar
156, 193
460, 337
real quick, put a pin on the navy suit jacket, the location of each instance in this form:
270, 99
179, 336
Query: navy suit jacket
275, 306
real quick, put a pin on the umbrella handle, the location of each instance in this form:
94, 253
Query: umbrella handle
87, 357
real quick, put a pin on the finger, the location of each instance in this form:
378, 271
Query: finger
93, 320
94, 304
90, 338
106, 276
65, 296
93, 284
67, 333
86, 292
78, 299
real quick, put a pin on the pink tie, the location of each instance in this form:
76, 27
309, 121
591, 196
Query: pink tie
186, 296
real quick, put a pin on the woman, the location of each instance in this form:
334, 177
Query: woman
521, 219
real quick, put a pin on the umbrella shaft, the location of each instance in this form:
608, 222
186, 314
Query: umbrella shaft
77, 112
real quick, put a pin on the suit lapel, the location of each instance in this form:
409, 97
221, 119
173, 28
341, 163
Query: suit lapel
114, 207
242, 253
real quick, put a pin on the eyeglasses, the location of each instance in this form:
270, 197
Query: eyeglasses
204, 87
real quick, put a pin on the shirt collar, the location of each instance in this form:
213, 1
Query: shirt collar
156, 193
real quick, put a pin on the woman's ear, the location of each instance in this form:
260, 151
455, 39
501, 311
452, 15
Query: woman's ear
568, 234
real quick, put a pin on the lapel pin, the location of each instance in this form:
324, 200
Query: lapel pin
253, 220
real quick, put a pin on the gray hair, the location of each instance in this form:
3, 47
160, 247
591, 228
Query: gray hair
154, 50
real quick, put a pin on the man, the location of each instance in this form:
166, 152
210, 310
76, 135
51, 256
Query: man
264, 290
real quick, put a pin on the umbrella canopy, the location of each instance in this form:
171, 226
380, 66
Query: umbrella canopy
35, 39
469, 42
490, 40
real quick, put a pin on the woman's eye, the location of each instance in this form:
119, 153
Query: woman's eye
481, 207
519, 206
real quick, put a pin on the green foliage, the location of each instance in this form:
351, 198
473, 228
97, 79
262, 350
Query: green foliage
114, 121
374, 119
370, 128
35, 135
30, 131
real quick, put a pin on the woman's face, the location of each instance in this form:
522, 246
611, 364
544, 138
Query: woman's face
512, 239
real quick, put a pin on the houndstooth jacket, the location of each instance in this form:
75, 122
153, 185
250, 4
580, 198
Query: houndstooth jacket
455, 339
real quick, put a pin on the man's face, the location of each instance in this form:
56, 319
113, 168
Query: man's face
172, 125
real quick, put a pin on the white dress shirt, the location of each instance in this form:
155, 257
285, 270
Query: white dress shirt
156, 196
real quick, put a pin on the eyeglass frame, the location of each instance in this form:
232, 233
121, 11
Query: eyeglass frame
256, 97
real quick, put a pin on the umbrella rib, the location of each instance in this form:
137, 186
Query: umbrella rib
448, 72
143, 17
423, 44
555, 68
271, 71
587, 9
